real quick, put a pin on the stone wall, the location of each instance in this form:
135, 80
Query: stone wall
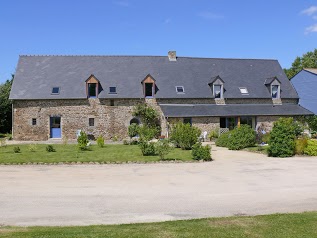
266, 122
110, 121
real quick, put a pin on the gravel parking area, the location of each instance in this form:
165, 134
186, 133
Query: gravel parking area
235, 183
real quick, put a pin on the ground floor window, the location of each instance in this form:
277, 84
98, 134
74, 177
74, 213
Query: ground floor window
232, 122
187, 120
91, 121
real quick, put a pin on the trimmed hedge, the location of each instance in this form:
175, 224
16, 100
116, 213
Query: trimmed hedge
237, 139
311, 148
200, 152
184, 135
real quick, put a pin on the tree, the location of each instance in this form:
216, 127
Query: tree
308, 60
5, 106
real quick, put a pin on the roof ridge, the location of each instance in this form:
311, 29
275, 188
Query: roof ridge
189, 57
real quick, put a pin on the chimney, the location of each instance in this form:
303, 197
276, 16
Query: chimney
172, 55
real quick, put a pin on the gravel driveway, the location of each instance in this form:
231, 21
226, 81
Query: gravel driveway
235, 183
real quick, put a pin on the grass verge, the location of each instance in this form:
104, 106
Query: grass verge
258, 149
70, 153
303, 225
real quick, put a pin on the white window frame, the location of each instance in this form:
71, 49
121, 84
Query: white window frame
182, 87
246, 91
221, 91
278, 91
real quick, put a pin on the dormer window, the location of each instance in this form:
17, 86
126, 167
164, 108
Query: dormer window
275, 91
217, 91
180, 89
148, 86
55, 90
274, 87
92, 90
216, 85
92, 87
113, 90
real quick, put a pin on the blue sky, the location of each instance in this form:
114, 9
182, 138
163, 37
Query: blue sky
274, 29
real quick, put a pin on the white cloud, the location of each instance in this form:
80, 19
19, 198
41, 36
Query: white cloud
311, 29
209, 15
309, 11
122, 3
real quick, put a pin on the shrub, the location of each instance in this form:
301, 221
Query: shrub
266, 138
115, 138
300, 145
162, 148
16, 149
241, 137
82, 141
100, 141
200, 152
184, 135
213, 134
32, 147
223, 140
147, 133
282, 138
147, 148
125, 142
147, 114
133, 130
50, 148
311, 148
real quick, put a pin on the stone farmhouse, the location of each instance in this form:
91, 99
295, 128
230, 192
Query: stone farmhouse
55, 96
305, 83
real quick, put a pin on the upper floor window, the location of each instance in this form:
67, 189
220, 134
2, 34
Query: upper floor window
92, 87
218, 91
113, 90
92, 90
33, 121
149, 86
55, 90
244, 91
180, 89
275, 91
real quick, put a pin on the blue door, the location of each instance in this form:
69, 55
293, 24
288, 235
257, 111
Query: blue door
55, 123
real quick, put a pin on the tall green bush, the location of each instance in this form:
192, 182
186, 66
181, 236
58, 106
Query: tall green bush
147, 114
184, 135
223, 139
282, 138
200, 152
311, 148
241, 137
133, 130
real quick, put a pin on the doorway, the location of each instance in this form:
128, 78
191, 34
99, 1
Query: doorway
55, 127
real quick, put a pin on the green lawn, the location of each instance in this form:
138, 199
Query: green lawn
303, 225
70, 153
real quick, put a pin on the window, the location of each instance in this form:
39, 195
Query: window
148, 89
244, 91
187, 120
91, 121
111, 102
179, 89
275, 91
92, 92
248, 121
33, 121
113, 90
55, 90
218, 91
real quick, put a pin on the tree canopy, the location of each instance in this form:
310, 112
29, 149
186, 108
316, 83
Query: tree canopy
308, 60
5, 106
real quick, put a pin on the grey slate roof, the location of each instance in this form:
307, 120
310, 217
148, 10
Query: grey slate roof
305, 83
200, 110
36, 75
